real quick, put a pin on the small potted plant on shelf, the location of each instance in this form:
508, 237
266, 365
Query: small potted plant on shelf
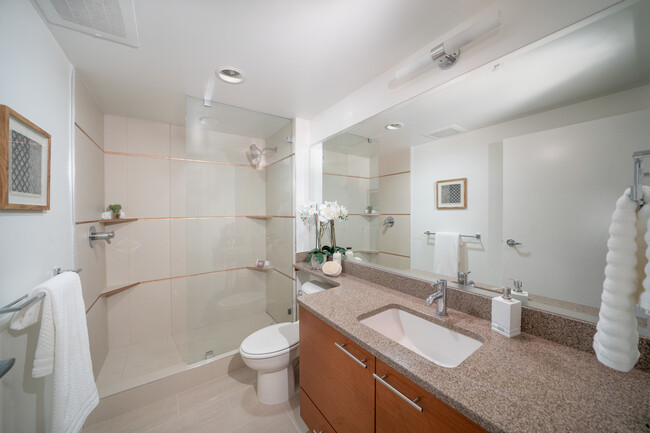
115, 208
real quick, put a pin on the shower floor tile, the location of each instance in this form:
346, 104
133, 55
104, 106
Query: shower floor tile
138, 364
131, 366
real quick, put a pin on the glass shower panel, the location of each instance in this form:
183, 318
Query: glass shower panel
231, 205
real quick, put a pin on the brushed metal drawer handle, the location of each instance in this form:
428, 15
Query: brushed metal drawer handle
357, 360
314, 430
402, 396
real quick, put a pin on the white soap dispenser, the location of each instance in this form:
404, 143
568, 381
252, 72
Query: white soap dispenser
506, 314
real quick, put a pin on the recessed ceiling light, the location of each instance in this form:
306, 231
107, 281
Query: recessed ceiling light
230, 75
209, 121
394, 126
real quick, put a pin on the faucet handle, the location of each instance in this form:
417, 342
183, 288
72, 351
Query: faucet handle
517, 284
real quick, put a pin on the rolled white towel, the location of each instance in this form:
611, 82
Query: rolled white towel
616, 339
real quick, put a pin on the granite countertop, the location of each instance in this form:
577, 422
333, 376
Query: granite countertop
521, 384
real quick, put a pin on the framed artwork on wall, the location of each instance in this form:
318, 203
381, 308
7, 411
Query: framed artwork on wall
451, 193
25, 151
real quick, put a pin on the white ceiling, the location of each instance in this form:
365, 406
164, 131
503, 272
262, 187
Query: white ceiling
607, 56
299, 56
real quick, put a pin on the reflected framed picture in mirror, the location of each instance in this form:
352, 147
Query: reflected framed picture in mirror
451, 193
24, 163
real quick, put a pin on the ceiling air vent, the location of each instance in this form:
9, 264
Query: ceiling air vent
113, 20
447, 131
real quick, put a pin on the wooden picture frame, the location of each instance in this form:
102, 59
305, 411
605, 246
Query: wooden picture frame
451, 194
25, 158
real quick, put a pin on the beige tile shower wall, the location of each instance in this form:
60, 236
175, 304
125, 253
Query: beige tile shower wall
89, 203
192, 202
279, 293
279, 140
394, 195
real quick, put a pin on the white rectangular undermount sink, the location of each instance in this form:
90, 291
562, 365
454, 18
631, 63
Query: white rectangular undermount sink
441, 345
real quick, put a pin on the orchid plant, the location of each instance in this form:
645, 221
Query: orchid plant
323, 215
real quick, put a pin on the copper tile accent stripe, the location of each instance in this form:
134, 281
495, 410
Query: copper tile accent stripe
394, 174
393, 254
364, 177
345, 175
89, 137
282, 273
175, 158
378, 214
279, 160
174, 278
208, 217
93, 304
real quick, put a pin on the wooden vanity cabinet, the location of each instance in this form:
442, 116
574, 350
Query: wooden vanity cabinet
336, 376
395, 414
344, 389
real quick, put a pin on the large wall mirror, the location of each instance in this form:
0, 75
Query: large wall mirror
543, 139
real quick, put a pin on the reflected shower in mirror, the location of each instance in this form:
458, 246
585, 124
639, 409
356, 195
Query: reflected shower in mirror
544, 138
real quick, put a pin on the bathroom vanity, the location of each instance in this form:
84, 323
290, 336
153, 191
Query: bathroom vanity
525, 383
344, 388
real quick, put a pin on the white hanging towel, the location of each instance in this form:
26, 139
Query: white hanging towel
617, 339
63, 348
445, 253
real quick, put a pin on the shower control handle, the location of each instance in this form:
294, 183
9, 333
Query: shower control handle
512, 243
94, 235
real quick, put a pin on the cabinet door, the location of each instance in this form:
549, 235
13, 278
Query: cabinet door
312, 416
336, 374
424, 413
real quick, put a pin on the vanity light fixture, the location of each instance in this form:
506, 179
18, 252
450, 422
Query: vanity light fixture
447, 53
394, 126
230, 75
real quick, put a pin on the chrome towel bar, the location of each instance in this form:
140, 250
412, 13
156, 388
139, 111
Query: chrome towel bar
11, 309
475, 236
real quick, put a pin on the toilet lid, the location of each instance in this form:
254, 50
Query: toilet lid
274, 338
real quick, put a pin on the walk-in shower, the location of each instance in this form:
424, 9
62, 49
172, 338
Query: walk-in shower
207, 215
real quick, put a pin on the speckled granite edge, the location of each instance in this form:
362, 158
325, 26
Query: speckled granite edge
564, 330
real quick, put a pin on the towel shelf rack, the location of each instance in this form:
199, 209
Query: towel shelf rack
636, 190
475, 236
11, 308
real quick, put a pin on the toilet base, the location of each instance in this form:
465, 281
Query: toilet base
275, 387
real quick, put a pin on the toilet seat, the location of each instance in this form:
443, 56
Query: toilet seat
274, 340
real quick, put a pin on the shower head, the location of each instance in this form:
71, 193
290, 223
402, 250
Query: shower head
255, 154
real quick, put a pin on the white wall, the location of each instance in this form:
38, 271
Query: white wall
523, 22
557, 203
36, 81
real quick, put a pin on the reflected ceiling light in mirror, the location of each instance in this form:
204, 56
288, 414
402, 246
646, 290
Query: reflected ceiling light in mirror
394, 126
209, 121
230, 75
447, 53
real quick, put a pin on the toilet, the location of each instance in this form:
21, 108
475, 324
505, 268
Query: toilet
273, 352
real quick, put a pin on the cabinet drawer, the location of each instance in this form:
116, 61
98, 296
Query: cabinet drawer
312, 416
395, 414
336, 374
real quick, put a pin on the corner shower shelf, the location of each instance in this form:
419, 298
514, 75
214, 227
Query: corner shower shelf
370, 214
260, 217
117, 220
113, 290
261, 269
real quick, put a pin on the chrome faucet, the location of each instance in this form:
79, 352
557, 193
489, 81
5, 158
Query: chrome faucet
440, 296
462, 279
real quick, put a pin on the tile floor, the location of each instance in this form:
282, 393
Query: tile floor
225, 405
138, 364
